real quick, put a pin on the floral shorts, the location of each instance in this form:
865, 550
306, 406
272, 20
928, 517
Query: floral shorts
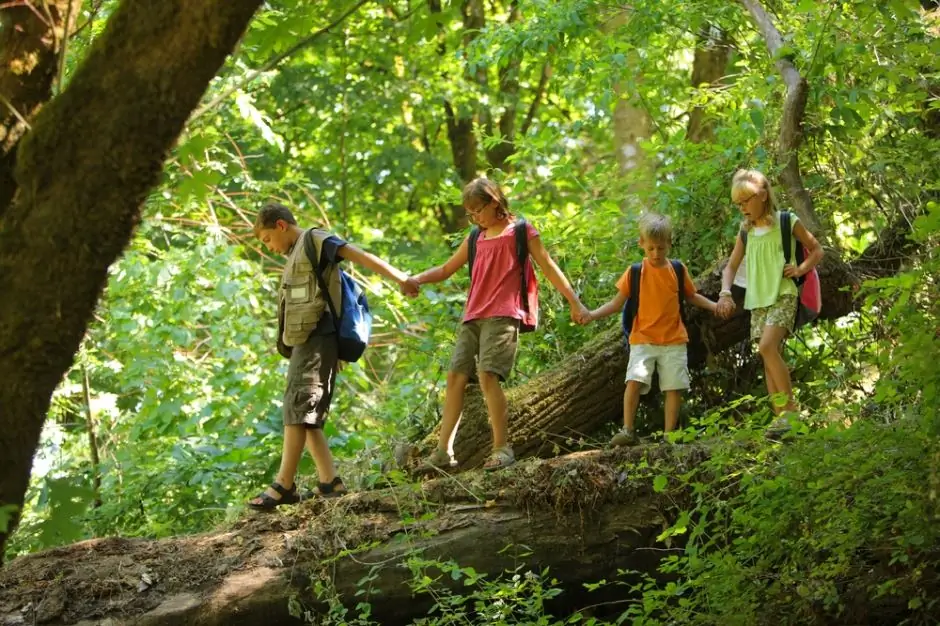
781, 313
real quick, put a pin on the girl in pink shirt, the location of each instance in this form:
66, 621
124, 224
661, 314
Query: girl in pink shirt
494, 315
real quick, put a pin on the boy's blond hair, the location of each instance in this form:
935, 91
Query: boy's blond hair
656, 227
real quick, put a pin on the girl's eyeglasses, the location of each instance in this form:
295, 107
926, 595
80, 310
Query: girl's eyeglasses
745, 201
479, 209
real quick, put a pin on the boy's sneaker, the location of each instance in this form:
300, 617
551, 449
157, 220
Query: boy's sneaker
626, 437
439, 459
779, 427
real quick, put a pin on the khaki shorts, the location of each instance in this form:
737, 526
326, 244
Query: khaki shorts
487, 345
310, 378
781, 313
672, 363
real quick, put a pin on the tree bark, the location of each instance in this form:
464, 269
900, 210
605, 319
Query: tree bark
585, 393
791, 125
575, 515
30, 47
708, 69
632, 124
82, 173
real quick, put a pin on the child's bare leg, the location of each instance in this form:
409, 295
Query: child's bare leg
496, 407
775, 368
631, 400
290, 458
319, 448
673, 402
453, 405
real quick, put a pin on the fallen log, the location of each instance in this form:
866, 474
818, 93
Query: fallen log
581, 516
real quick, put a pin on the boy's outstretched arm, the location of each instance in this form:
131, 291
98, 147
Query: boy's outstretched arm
377, 265
703, 303
613, 306
579, 312
445, 271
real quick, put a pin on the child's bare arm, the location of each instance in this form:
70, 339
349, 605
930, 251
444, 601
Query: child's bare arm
703, 303
370, 261
556, 277
445, 271
725, 301
613, 306
813, 249
551, 270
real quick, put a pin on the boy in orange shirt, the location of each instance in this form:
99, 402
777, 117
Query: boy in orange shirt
658, 336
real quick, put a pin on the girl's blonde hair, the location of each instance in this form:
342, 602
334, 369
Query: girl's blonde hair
484, 190
752, 182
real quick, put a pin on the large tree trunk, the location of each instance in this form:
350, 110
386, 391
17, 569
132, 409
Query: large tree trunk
712, 52
585, 392
576, 516
791, 124
82, 173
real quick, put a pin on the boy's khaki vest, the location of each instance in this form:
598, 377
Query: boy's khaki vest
299, 297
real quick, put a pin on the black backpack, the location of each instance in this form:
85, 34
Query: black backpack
522, 256
632, 305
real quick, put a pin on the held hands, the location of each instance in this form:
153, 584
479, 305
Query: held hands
410, 287
580, 313
725, 307
792, 271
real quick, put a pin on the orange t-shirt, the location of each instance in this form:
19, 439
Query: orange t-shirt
658, 320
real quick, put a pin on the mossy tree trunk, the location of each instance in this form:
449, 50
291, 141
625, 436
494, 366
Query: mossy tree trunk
578, 516
81, 173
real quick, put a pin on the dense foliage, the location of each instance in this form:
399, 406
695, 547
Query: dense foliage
171, 415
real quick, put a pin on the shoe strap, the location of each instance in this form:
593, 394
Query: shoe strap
278, 487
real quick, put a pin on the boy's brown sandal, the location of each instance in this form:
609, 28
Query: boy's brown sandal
264, 502
333, 489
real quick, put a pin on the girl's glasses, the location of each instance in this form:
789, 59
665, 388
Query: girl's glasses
745, 201
479, 209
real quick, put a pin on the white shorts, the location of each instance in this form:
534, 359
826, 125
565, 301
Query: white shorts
672, 363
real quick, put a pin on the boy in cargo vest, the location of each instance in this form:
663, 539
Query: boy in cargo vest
307, 336
658, 336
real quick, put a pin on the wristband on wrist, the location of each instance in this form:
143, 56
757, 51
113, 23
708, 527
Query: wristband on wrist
724, 292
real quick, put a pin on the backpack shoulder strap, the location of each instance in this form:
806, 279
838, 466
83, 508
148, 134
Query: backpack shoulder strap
680, 278
785, 235
632, 304
636, 273
521, 232
472, 248
318, 266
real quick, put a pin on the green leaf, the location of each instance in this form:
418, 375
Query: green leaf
659, 483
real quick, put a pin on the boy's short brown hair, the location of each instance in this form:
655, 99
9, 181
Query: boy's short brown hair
270, 214
656, 227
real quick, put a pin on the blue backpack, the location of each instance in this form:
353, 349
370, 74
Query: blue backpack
632, 305
353, 320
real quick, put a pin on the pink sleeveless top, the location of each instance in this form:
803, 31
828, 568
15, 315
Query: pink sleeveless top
496, 282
